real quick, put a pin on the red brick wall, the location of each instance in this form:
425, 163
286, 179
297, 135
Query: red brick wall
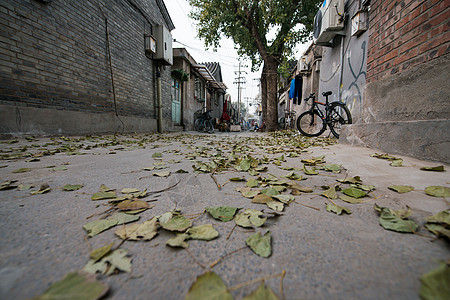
403, 34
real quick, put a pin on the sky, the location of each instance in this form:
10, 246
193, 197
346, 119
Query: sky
185, 34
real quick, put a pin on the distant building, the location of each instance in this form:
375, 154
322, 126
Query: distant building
77, 67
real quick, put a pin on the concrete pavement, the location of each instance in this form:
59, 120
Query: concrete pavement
324, 255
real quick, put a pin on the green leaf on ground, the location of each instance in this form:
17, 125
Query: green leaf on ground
435, 169
349, 199
6, 185
311, 171
43, 189
178, 241
177, 223
270, 192
95, 227
76, 285
111, 263
22, 170
123, 218
260, 244
57, 169
353, 180
438, 191
208, 286
330, 193
249, 193
401, 188
332, 168
397, 163
162, 174
129, 191
104, 195
440, 217
252, 183
249, 218
435, 284
157, 155
100, 252
293, 176
275, 205
104, 188
300, 188
24, 187
354, 192
263, 292
286, 199
438, 229
222, 213
132, 205
338, 209
391, 220
261, 199
203, 232
237, 179
137, 232
72, 187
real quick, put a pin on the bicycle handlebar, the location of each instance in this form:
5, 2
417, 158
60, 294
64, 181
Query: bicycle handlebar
312, 95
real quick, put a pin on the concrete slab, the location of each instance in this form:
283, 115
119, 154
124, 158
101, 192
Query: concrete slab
324, 255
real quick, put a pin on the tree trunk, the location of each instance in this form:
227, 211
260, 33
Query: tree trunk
271, 113
264, 93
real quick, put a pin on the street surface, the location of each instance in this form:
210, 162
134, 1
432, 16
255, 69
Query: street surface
324, 255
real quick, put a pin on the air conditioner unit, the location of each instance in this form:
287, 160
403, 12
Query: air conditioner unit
303, 65
163, 45
150, 44
328, 21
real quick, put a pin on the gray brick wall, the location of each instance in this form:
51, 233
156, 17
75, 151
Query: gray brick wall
55, 55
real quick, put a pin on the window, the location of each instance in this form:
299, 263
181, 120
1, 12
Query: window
199, 90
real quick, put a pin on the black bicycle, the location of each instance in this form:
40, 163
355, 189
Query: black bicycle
203, 121
314, 122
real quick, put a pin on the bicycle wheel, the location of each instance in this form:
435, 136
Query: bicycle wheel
209, 128
339, 115
198, 125
310, 123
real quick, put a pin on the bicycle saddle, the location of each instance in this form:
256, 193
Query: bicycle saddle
327, 93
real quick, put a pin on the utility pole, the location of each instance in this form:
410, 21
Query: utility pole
239, 80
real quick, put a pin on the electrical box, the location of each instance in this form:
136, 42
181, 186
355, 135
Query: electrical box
328, 21
164, 50
150, 44
303, 65
359, 23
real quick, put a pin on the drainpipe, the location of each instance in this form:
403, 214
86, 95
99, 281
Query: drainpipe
342, 67
158, 98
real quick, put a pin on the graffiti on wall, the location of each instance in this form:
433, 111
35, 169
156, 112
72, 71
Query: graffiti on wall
352, 97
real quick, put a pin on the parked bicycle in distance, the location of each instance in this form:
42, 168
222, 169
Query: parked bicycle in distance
203, 121
288, 121
314, 122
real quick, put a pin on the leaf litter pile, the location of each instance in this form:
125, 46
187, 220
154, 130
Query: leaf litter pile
129, 209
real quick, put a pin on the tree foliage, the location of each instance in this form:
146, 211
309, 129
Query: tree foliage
262, 30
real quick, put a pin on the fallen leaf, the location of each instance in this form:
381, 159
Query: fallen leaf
270, 192
293, 176
438, 229
435, 169
435, 284
438, 191
338, 209
162, 174
104, 188
332, 168
310, 172
129, 191
100, 252
275, 205
354, 192
397, 163
330, 193
262, 292
353, 180
22, 170
203, 232
6, 185
137, 232
76, 285
349, 199
286, 199
112, 263
123, 218
132, 205
157, 155
391, 221
249, 193
261, 245
237, 179
178, 241
25, 187
401, 188
261, 199
103, 195
177, 223
249, 218
72, 187
222, 213
59, 169
252, 183
208, 286
440, 217
95, 227
43, 189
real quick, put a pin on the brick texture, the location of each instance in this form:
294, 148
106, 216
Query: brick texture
403, 34
54, 55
